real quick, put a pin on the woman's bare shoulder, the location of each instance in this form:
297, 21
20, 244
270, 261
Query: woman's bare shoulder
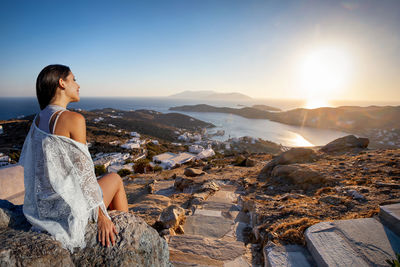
73, 125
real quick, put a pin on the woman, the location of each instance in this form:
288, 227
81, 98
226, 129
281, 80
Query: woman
61, 191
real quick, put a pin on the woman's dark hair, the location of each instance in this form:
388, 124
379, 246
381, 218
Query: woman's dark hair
47, 82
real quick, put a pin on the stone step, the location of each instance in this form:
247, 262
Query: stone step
224, 196
209, 226
291, 255
357, 242
390, 215
192, 250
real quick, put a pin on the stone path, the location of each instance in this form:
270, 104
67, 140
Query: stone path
213, 234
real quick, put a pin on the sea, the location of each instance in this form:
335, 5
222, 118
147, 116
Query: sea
233, 125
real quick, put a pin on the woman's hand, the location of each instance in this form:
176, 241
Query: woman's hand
106, 230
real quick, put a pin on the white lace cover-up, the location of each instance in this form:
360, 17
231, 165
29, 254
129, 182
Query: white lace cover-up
61, 190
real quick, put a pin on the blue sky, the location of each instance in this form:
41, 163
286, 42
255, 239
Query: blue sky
158, 48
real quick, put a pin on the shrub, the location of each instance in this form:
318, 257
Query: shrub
141, 165
157, 168
99, 170
150, 154
124, 172
14, 156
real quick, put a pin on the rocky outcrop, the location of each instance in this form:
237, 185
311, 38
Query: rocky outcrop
346, 143
137, 244
191, 172
297, 174
294, 155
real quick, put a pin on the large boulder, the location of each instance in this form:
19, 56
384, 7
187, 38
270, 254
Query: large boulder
294, 155
346, 143
149, 207
137, 244
299, 175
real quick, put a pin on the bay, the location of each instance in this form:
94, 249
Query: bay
234, 126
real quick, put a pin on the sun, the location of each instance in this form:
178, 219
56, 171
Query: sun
323, 73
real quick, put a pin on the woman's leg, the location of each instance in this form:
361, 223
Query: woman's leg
113, 192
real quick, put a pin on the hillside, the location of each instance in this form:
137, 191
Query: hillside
207, 95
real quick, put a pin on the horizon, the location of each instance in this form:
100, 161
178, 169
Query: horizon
316, 51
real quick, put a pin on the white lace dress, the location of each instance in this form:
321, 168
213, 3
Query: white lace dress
61, 190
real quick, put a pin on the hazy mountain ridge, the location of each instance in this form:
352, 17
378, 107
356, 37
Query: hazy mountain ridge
211, 95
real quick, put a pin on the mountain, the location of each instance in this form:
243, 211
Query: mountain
211, 95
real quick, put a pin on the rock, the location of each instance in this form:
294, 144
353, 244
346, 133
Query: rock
209, 186
357, 242
137, 244
332, 200
390, 214
20, 248
209, 226
209, 248
191, 172
297, 174
291, 255
151, 186
355, 195
182, 183
150, 207
172, 217
207, 167
11, 216
250, 162
345, 143
294, 155
4, 218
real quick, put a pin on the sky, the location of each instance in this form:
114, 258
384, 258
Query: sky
157, 48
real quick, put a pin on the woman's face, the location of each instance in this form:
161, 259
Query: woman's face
71, 87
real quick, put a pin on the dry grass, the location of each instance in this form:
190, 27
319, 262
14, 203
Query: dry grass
292, 232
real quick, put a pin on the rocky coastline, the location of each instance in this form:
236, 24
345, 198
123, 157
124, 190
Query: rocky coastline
379, 124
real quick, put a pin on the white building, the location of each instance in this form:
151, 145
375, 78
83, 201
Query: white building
134, 140
163, 157
155, 142
99, 119
195, 149
111, 159
4, 158
117, 167
135, 134
168, 160
209, 152
131, 146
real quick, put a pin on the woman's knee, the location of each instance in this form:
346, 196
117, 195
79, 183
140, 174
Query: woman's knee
117, 179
